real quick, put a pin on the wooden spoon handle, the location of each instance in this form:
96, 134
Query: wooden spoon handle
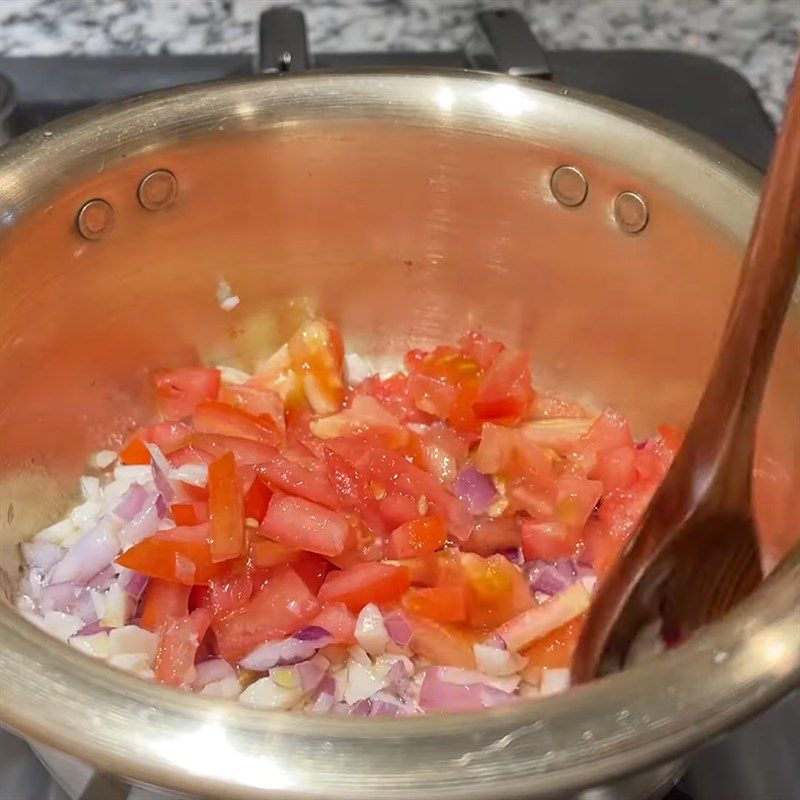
724, 426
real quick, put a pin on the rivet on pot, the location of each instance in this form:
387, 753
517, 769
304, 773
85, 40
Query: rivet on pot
157, 189
630, 212
569, 186
95, 219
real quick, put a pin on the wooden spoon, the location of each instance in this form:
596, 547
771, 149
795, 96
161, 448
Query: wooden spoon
695, 552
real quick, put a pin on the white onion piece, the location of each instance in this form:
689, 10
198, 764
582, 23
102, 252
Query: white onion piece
133, 639
371, 631
194, 474
90, 487
91, 554
57, 532
362, 681
495, 661
232, 375
41, 554
213, 671
554, 681
356, 369
137, 663
265, 693
60, 625
132, 473
86, 513
229, 688
95, 645
103, 459
145, 523
118, 607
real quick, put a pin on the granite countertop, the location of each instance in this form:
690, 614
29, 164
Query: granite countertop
759, 38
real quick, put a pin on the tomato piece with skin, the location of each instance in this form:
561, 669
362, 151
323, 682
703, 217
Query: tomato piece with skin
177, 647
135, 451
178, 391
616, 467
189, 514
493, 535
226, 509
312, 569
417, 537
441, 603
496, 590
308, 482
245, 451
181, 555
189, 455
283, 605
505, 394
256, 500
434, 396
257, 401
365, 583
229, 591
548, 540
392, 393
299, 523
610, 430
555, 649
398, 509
442, 643
163, 599
481, 348
317, 356
353, 491
213, 417
265, 553
339, 621
168, 436
575, 500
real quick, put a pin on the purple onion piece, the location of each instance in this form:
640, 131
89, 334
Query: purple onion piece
323, 696
136, 584
160, 467
312, 633
286, 652
92, 628
514, 555
398, 628
103, 580
398, 679
545, 577
215, 669
145, 523
68, 598
130, 504
91, 554
476, 490
42, 555
310, 675
566, 568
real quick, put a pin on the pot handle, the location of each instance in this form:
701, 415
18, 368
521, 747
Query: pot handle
282, 42
512, 43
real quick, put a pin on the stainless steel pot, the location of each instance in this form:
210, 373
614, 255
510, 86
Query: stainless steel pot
408, 207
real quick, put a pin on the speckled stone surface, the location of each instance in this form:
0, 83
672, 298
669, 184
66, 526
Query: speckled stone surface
757, 37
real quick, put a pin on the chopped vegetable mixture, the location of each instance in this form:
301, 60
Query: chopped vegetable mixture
316, 537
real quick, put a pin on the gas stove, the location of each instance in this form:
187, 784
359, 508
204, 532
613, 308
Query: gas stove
757, 762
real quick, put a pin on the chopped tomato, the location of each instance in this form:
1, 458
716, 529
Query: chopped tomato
257, 401
309, 482
339, 621
442, 603
282, 606
246, 451
398, 509
178, 391
417, 537
616, 467
493, 535
182, 555
479, 347
575, 499
353, 491
610, 430
555, 649
189, 513
177, 646
229, 591
265, 553
312, 569
392, 393
548, 540
189, 455
256, 500
559, 434
496, 590
219, 418
434, 396
304, 525
496, 449
163, 599
226, 509
442, 643
505, 394
366, 583
317, 356
135, 451
547, 405
168, 436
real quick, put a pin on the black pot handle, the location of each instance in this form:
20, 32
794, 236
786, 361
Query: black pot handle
512, 43
282, 42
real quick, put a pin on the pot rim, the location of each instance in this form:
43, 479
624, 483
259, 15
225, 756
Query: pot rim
613, 727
